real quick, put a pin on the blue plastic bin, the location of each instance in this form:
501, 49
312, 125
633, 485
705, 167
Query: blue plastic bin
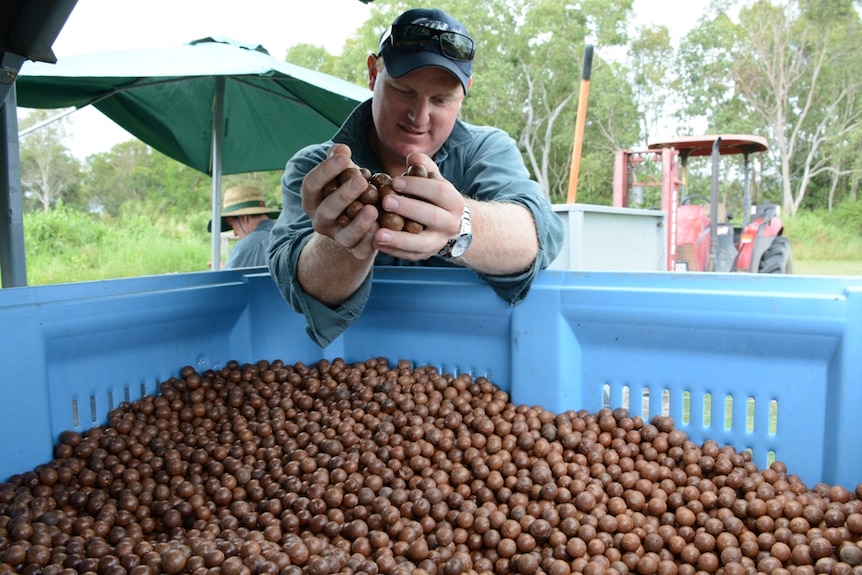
767, 363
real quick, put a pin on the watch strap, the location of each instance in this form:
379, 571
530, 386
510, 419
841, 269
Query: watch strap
464, 234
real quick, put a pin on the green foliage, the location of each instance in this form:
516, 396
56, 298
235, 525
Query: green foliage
49, 172
311, 57
651, 57
827, 11
62, 229
705, 55
66, 245
820, 235
133, 172
848, 217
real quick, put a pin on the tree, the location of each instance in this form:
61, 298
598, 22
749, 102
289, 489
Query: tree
134, 173
651, 65
796, 74
703, 86
547, 53
311, 57
49, 172
840, 178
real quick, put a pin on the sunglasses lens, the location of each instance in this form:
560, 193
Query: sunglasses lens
415, 37
456, 46
412, 37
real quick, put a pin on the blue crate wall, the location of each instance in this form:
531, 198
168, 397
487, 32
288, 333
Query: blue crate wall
71, 353
761, 363
580, 341
443, 318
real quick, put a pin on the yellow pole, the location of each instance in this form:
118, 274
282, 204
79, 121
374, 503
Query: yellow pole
579, 124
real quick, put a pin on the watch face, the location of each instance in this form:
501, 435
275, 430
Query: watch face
461, 245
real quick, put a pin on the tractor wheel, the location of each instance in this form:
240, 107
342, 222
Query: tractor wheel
778, 259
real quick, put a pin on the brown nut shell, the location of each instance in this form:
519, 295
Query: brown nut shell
381, 179
349, 174
330, 187
416, 170
370, 195
392, 221
413, 227
353, 209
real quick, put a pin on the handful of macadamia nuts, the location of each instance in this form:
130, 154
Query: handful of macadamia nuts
379, 186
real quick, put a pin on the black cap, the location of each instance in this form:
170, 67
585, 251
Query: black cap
403, 61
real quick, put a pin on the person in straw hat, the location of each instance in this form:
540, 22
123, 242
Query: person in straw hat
244, 210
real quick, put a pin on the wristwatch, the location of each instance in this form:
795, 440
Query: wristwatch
456, 246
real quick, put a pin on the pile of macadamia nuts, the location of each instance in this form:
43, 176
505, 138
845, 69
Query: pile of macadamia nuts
368, 467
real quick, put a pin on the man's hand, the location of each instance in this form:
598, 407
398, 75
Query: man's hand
431, 201
324, 204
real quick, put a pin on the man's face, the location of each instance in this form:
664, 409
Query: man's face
237, 224
413, 113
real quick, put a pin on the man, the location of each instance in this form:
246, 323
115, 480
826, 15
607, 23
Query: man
484, 213
244, 210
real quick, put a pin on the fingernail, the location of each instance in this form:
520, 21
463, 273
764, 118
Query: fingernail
367, 216
390, 202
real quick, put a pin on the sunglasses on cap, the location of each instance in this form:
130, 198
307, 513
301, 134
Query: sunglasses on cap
414, 38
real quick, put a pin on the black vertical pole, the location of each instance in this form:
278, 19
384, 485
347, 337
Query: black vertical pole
12, 261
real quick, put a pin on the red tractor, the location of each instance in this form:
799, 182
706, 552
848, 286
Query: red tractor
701, 234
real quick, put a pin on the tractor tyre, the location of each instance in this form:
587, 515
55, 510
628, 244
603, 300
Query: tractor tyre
778, 259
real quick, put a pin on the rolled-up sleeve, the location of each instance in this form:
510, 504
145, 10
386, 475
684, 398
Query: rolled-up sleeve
492, 170
291, 232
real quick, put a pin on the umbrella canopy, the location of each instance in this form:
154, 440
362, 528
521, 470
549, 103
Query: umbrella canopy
215, 105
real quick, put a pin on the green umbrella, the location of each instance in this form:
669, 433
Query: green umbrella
214, 105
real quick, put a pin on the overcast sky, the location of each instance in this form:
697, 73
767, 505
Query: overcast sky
98, 25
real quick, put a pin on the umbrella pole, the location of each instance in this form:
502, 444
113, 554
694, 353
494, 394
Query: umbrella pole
217, 141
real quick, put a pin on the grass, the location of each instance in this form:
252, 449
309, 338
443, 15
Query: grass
64, 246
827, 267
827, 243
824, 243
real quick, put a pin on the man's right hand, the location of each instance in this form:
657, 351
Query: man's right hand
324, 209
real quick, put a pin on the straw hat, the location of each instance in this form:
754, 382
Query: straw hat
242, 201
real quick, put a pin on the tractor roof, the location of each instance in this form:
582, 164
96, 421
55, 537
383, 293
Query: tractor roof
702, 145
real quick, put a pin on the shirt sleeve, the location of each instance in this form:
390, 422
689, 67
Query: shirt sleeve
291, 232
250, 251
493, 170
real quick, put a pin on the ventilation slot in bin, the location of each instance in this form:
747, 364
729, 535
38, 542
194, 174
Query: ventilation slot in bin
707, 413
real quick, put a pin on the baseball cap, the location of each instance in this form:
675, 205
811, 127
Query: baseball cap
428, 37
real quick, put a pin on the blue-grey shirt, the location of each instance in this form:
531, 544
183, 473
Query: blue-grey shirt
482, 162
252, 250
